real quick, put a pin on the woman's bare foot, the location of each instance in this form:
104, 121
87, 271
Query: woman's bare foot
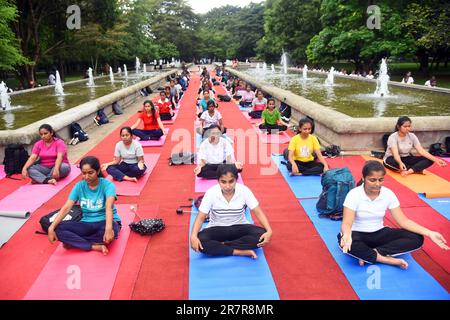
52, 181
126, 178
296, 174
245, 253
404, 173
67, 246
393, 261
100, 248
361, 263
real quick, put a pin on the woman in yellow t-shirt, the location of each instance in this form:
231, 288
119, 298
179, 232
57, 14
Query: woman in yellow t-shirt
301, 149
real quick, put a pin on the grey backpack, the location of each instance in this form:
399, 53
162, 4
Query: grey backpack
182, 158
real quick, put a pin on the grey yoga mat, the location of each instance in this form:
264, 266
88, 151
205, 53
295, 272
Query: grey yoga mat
10, 222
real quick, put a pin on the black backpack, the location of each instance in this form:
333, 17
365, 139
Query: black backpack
447, 144
15, 158
436, 149
384, 140
102, 118
75, 214
224, 97
332, 151
182, 158
117, 108
77, 132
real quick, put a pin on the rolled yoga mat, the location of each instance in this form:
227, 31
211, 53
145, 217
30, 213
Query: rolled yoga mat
10, 222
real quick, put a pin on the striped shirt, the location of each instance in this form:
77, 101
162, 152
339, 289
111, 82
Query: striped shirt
223, 213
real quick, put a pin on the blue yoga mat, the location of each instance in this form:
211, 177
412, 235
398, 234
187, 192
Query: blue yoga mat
394, 283
229, 278
198, 140
304, 187
441, 205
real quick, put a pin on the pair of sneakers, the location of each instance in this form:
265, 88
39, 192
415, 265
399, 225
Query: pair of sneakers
74, 141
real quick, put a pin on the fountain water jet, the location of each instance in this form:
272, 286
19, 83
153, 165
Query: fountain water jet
382, 89
138, 65
305, 72
111, 75
330, 79
273, 68
125, 70
4, 97
59, 90
91, 78
284, 62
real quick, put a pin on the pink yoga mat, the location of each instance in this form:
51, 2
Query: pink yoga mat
155, 143
202, 185
250, 119
446, 159
2, 172
77, 275
276, 138
173, 119
127, 188
31, 196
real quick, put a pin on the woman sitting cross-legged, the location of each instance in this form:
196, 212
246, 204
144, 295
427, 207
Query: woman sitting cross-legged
213, 152
301, 149
51, 151
271, 119
228, 231
247, 97
363, 234
153, 127
100, 224
398, 155
164, 106
259, 104
128, 163
210, 118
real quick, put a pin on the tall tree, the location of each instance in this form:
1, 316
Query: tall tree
345, 34
289, 25
10, 55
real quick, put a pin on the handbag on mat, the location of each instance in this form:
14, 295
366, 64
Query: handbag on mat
147, 226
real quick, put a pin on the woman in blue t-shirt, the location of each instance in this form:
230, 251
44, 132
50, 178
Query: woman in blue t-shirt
100, 224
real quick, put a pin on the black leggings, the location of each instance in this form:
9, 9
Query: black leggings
255, 114
272, 127
165, 116
209, 171
417, 163
148, 134
221, 241
307, 168
387, 241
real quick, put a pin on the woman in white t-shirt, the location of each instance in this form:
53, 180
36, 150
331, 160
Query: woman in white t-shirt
408, 79
228, 231
247, 97
128, 163
211, 117
398, 155
363, 234
213, 152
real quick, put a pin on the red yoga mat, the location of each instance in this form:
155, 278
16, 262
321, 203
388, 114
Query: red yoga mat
202, 185
155, 143
128, 188
78, 275
31, 196
276, 138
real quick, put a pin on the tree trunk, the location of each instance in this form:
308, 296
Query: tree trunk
422, 56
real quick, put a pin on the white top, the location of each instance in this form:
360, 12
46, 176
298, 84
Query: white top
369, 214
129, 155
410, 80
211, 120
215, 153
404, 146
369, 76
223, 213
